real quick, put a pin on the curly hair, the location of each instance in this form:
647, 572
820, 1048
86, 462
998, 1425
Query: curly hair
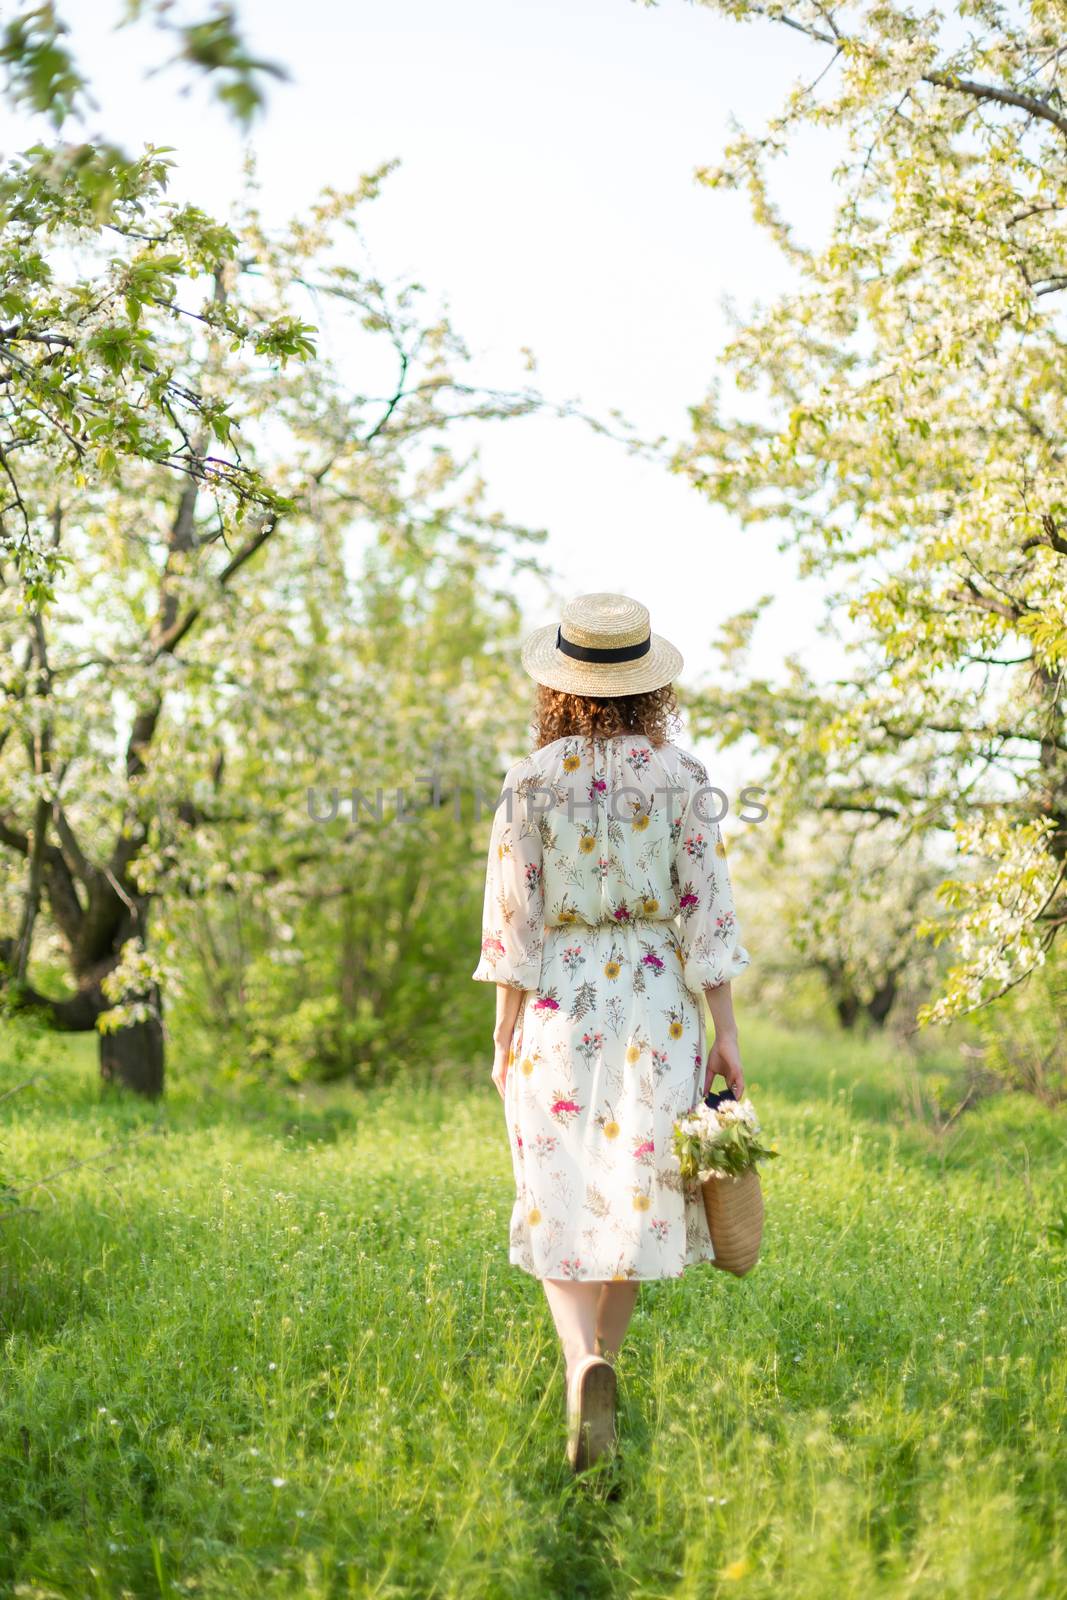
559, 715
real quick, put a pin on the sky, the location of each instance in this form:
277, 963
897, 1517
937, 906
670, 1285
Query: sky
546, 195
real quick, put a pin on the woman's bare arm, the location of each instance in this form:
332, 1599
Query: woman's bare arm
725, 1054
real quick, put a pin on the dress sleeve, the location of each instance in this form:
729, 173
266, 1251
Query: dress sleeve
712, 951
513, 916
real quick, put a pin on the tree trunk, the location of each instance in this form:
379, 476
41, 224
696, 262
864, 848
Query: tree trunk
881, 1002
133, 1056
842, 995
847, 1003
349, 964
848, 1010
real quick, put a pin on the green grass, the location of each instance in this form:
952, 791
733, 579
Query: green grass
274, 1347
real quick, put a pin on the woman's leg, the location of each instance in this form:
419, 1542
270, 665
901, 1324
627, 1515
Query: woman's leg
614, 1310
574, 1310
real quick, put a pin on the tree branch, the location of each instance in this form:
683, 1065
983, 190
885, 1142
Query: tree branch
864, 807
1033, 105
13, 838
77, 1013
168, 641
971, 595
72, 850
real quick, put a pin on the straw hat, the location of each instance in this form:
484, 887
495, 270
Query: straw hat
603, 646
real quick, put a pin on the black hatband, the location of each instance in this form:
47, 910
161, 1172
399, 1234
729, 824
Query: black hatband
622, 652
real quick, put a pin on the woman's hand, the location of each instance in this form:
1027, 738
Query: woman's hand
509, 1003
501, 1063
725, 1057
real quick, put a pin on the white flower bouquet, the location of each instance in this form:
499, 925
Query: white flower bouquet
718, 1144
720, 1138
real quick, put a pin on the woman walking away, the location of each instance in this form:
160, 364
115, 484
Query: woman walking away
608, 913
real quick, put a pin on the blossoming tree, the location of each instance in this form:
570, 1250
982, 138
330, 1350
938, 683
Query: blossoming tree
190, 492
910, 435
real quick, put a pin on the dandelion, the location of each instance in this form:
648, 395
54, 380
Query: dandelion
279, 1483
736, 1569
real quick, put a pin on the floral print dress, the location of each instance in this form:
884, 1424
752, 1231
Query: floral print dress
608, 902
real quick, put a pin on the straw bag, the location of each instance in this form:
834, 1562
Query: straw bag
734, 1209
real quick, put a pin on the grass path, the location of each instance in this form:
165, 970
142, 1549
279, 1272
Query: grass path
274, 1348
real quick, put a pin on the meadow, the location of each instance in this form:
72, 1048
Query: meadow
270, 1345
